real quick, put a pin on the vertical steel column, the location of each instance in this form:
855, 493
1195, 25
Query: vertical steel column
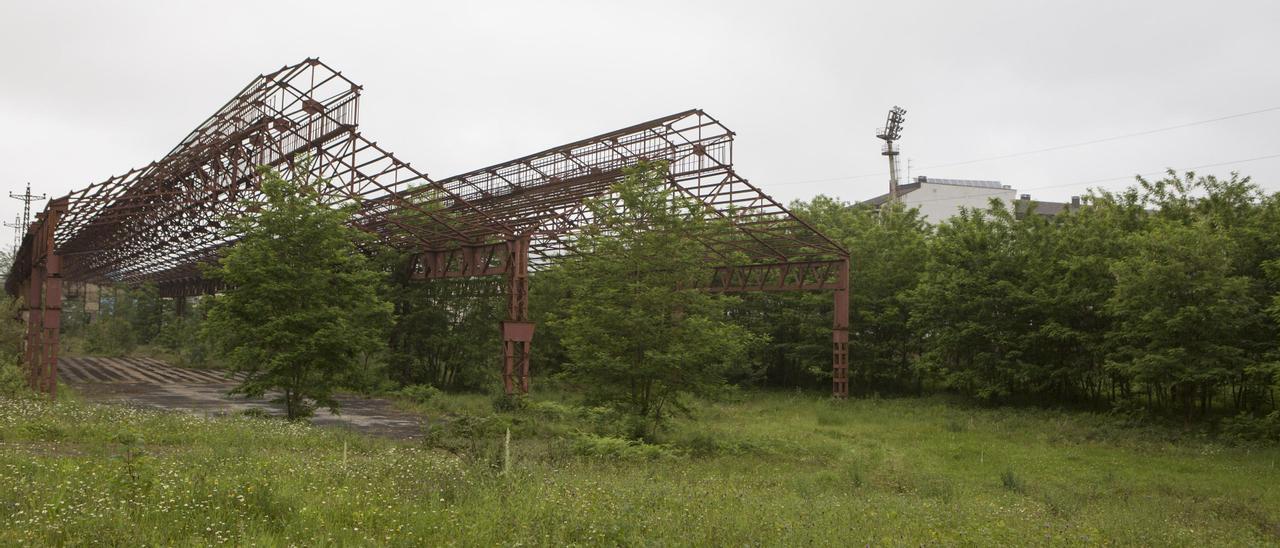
44, 302
840, 336
517, 330
52, 322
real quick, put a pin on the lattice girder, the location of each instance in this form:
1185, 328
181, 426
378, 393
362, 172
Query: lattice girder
159, 222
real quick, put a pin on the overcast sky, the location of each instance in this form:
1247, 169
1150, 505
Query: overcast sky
91, 89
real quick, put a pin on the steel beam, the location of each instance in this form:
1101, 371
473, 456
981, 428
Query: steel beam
517, 330
840, 335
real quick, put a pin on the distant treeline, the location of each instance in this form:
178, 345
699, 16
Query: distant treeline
1163, 296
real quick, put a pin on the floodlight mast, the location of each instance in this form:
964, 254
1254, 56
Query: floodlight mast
889, 133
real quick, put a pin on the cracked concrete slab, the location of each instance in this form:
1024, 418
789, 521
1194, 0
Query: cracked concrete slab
151, 383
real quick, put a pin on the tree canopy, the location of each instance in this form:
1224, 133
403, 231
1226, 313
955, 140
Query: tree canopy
638, 330
302, 303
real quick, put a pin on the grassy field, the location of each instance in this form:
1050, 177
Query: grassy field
776, 469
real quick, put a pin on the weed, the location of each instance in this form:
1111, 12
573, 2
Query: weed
506, 403
45, 431
1012, 482
13, 382
608, 448
255, 413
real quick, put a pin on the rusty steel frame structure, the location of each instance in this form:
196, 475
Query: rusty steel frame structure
158, 223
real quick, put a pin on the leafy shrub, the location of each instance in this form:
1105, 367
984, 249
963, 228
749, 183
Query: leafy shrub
609, 448
420, 393
473, 437
13, 382
710, 444
255, 413
506, 403
1131, 413
616, 423
135, 476
182, 337
45, 431
550, 410
1246, 427
110, 336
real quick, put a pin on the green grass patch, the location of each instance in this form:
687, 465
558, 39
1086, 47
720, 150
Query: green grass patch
778, 469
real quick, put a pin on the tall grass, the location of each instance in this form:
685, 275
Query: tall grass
771, 469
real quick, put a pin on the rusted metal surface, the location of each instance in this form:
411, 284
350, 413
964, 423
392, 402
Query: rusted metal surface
787, 276
840, 335
41, 288
517, 330
160, 222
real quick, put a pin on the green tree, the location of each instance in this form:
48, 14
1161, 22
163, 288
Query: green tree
1180, 313
302, 304
132, 315
638, 332
887, 249
1244, 219
974, 307
445, 331
1069, 290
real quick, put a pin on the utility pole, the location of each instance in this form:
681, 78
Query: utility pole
17, 227
889, 133
26, 199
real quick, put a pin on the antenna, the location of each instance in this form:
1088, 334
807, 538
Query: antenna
17, 227
890, 132
27, 198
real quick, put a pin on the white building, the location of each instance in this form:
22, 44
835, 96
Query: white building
940, 199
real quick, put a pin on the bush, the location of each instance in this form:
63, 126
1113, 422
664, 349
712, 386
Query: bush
473, 437
255, 413
110, 336
13, 382
550, 410
707, 444
589, 445
1246, 427
506, 403
615, 423
419, 393
182, 337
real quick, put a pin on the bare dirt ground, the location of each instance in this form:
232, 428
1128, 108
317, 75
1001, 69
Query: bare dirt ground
152, 383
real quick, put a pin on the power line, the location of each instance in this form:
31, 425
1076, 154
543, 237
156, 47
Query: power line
1106, 139
1043, 150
